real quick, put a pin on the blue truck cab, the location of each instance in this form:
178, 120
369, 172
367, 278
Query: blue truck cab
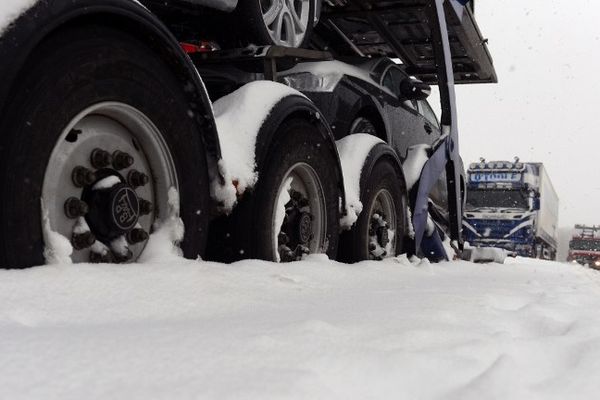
511, 205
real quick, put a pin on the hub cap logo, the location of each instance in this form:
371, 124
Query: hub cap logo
125, 208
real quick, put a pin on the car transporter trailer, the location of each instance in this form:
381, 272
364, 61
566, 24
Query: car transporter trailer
107, 133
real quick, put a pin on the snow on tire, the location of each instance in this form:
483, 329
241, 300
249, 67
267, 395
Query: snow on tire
294, 208
381, 227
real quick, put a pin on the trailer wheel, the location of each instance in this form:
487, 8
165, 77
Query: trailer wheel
293, 210
98, 132
281, 22
381, 228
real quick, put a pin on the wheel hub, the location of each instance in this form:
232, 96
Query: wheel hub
297, 229
304, 228
113, 211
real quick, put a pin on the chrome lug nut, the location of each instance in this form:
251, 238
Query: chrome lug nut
137, 235
137, 179
100, 158
82, 176
121, 160
83, 240
145, 207
75, 208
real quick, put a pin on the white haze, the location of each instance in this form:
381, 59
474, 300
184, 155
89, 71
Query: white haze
545, 106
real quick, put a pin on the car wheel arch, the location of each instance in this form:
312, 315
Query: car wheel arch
289, 108
371, 114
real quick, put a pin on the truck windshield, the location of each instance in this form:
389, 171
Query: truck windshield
496, 198
585, 244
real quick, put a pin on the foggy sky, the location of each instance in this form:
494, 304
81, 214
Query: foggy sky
547, 104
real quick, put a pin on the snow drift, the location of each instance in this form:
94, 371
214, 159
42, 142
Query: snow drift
314, 329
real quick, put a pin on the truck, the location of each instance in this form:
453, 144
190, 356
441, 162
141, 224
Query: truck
511, 205
584, 246
108, 135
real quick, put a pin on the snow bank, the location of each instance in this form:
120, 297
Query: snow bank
313, 329
239, 117
353, 151
10, 10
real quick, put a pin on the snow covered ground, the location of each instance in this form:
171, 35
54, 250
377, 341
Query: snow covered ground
316, 329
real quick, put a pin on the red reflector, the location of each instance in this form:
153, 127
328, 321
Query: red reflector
201, 47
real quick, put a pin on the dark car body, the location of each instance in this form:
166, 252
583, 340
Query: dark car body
346, 93
355, 90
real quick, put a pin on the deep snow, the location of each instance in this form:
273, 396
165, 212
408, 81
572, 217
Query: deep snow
314, 329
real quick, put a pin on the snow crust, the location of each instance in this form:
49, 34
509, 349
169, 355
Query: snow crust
416, 158
10, 10
314, 329
282, 199
324, 75
107, 183
162, 246
353, 151
58, 249
239, 117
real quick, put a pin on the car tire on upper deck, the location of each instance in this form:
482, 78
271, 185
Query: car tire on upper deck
96, 137
278, 22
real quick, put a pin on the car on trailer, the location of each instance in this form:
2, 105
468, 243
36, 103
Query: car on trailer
361, 92
260, 22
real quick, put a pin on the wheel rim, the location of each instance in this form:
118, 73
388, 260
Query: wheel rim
107, 182
303, 227
286, 20
382, 226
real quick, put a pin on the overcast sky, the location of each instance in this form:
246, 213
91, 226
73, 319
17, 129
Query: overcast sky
546, 106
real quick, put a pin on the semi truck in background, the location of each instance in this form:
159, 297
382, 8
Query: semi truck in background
511, 205
584, 247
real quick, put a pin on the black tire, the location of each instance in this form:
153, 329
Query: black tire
380, 173
249, 14
72, 70
249, 232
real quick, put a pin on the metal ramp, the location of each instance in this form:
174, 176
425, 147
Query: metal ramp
401, 29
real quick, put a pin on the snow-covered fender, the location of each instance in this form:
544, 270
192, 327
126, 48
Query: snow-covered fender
358, 154
292, 106
248, 120
44, 17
